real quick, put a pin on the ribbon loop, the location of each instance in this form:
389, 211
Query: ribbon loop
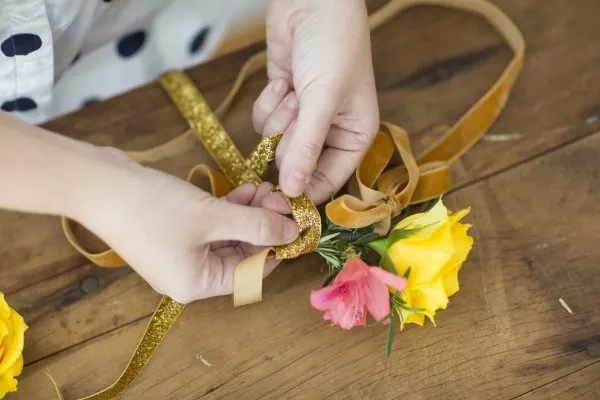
428, 177
395, 187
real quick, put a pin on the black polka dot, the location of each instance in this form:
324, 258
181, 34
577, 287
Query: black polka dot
21, 44
107, 1
198, 40
131, 43
19, 104
90, 100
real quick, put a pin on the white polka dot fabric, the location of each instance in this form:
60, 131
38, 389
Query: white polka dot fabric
57, 56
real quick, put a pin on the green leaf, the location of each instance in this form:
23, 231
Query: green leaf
387, 263
407, 272
380, 246
411, 309
328, 237
390, 335
399, 300
366, 239
400, 234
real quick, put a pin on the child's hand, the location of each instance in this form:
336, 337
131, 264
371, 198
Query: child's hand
181, 240
321, 51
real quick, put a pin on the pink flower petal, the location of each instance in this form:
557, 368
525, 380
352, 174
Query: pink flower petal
378, 298
389, 279
354, 269
342, 315
321, 298
357, 289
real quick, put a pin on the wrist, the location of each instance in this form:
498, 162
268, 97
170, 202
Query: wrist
41, 172
101, 178
78, 171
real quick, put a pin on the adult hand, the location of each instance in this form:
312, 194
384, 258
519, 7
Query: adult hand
321, 92
184, 242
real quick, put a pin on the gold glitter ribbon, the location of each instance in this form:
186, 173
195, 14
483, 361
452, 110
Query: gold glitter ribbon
163, 319
249, 273
415, 180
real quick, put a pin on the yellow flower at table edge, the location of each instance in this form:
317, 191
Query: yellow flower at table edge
435, 250
12, 341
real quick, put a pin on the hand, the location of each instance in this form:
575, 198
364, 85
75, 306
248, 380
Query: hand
321, 92
181, 240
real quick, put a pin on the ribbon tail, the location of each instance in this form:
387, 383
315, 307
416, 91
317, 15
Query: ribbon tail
248, 279
167, 312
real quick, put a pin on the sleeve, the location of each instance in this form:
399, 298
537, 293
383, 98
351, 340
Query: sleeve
26, 59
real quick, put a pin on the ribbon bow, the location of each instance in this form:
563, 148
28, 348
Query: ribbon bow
385, 193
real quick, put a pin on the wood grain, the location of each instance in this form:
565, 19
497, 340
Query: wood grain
582, 384
504, 334
431, 64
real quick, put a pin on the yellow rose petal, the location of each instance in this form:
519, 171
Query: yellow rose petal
432, 220
12, 331
414, 318
7, 384
426, 258
14, 343
4, 309
430, 299
451, 285
453, 218
435, 255
3, 330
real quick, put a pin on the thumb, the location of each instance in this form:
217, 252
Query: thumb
254, 225
317, 109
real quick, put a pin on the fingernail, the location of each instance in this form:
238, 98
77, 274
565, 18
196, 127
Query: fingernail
295, 183
292, 102
279, 86
290, 231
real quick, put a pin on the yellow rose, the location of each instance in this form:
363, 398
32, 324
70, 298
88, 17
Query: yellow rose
12, 339
435, 253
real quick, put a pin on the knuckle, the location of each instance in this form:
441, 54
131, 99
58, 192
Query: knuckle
364, 135
363, 139
324, 181
309, 150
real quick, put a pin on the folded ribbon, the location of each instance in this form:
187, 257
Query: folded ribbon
384, 195
249, 273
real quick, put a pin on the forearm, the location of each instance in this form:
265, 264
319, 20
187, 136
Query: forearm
40, 172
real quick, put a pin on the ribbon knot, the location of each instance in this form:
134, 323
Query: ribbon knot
394, 190
391, 202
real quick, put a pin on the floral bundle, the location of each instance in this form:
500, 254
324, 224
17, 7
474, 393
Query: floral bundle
402, 277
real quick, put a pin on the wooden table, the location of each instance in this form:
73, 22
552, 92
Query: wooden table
533, 184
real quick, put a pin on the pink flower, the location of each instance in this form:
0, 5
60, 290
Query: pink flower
358, 288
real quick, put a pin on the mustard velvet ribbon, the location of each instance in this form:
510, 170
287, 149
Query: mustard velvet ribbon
383, 193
